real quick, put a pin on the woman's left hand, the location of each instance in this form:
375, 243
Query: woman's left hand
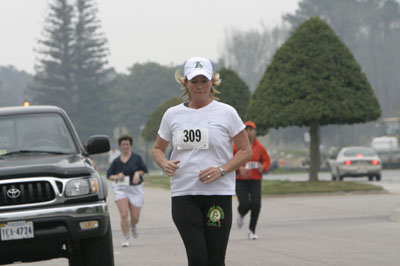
209, 175
136, 178
261, 168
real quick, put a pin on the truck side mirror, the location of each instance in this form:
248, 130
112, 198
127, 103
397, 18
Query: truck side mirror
98, 144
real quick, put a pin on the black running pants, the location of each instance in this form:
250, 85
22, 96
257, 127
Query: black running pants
248, 193
204, 223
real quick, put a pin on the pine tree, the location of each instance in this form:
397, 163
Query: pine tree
72, 69
313, 80
92, 77
53, 81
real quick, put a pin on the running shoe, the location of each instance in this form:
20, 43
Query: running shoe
126, 243
252, 235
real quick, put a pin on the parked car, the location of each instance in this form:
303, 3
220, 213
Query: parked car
356, 161
52, 201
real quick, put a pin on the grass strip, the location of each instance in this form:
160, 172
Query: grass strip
285, 187
281, 187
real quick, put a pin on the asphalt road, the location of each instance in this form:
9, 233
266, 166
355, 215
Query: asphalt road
310, 230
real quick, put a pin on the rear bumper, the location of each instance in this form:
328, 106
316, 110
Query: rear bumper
360, 170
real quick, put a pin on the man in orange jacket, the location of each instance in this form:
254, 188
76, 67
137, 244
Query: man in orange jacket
248, 181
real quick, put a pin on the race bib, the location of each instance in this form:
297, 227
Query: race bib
251, 165
123, 182
192, 139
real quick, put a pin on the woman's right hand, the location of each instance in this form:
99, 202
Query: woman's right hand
243, 172
121, 176
170, 167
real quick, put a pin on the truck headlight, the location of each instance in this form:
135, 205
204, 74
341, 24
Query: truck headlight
80, 187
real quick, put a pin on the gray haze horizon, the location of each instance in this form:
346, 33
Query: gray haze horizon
165, 32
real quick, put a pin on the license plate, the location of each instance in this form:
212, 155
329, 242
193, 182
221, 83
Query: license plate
361, 171
16, 230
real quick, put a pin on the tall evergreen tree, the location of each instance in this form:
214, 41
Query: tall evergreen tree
72, 69
91, 76
53, 81
313, 80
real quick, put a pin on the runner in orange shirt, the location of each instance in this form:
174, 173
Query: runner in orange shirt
248, 181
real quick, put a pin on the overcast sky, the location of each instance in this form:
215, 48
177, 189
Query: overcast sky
162, 31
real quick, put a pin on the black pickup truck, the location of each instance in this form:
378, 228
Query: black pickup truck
52, 201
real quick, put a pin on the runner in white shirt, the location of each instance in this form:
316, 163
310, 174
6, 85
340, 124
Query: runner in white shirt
113, 154
202, 131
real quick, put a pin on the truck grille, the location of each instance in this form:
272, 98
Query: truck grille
25, 193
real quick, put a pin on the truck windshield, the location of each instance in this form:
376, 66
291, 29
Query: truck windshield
38, 132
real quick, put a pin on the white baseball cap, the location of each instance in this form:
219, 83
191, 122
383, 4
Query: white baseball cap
198, 66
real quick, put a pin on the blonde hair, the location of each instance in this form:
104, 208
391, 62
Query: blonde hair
216, 80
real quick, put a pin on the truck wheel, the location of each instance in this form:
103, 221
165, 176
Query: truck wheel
370, 178
75, 259
99, 251
378, 177
94, 251
333, 177
340, 178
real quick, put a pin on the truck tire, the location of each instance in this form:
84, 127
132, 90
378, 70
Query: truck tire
75, 259
378, 177
94, 251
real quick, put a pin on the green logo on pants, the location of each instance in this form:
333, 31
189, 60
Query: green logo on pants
215, 215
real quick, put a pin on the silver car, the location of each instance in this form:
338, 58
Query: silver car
356, 162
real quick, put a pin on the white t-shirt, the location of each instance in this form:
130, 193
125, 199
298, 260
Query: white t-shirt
112, 154
201, 138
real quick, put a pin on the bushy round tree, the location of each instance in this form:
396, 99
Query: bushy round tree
313, 80
234, 91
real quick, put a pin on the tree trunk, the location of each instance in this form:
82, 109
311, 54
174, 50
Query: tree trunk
314, 151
